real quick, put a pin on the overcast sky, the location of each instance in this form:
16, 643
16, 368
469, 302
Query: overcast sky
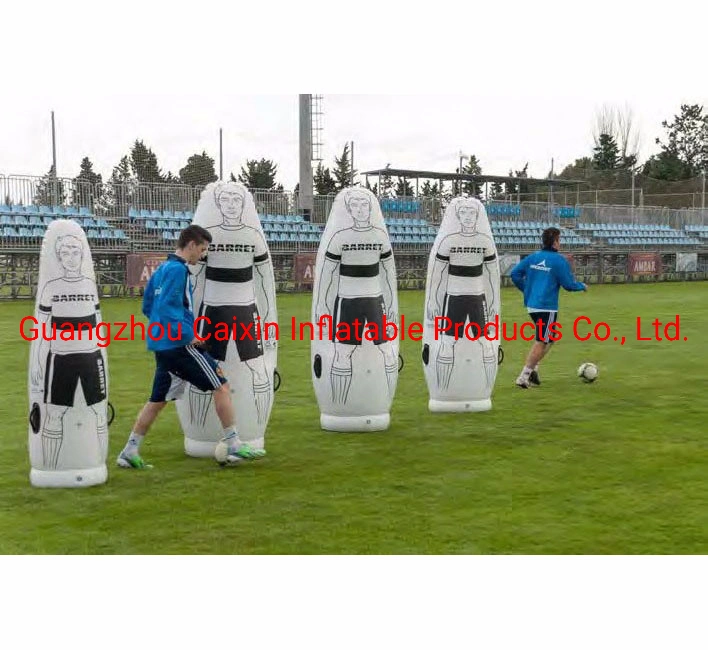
513, 88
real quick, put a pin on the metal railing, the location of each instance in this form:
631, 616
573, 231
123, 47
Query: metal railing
113, 201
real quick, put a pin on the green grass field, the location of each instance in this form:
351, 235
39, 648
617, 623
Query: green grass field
618, 466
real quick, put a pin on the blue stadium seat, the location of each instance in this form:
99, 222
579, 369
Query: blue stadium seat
7, 220
18, 209
38, 232
20, 220
189, 215
9, 231
5, 209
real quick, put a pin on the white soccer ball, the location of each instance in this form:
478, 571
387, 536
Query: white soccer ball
221, 451
588, 372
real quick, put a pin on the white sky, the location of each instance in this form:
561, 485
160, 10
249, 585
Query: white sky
511, 87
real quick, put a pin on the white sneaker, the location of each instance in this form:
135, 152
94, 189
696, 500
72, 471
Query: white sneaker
522, 383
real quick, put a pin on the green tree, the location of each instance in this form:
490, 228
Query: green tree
120, 192
667, 166
372, 188
199, 170
497, 191
579, 170
323, 182
342, 171
687, 138
143, 164
606, 153
514, 187
88, 185
472, 167
403, 187
259, 175
50, 190
386, 189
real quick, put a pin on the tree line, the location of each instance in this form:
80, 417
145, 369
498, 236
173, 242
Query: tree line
682, 155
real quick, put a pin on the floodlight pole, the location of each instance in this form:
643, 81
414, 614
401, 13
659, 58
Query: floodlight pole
54, 162
221, 155
703, 193
462, 157
632, 195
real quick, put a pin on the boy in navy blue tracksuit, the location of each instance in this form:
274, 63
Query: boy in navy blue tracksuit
179, 360
540, 276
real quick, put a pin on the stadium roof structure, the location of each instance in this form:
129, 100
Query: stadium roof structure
474, 178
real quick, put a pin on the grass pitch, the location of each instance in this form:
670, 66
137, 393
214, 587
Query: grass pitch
618, 466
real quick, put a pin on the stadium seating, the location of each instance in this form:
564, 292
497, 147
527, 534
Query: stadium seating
650, 235
26, 225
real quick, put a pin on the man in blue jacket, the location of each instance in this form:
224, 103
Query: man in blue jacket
167, 303
540, 276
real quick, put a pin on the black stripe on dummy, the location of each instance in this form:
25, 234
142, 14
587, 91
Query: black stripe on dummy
259, 259
490, 258
387, 254
332, 256
229, 275
465, 271
359, 270
73, 321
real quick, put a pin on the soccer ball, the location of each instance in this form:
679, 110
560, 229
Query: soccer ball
588, 372
221, 451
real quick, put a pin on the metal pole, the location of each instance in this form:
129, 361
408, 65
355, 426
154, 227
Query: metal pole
54, 147
633, 196
305, 198
351, 182
221, 155
703, 194
54, 162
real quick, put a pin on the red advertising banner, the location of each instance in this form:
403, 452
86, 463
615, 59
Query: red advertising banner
140, 266
304, 268
644, 264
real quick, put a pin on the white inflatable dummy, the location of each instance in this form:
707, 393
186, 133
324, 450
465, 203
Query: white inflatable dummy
234, 298
354, 369
68, 376
461, 296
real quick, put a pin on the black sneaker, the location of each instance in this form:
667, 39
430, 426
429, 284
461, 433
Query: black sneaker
534, 378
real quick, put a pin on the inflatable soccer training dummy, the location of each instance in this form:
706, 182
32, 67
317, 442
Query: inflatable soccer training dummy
354, 361
68, 369
462, 295
234, 298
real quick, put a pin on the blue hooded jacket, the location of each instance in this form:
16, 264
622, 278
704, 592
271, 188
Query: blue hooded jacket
541, 275
168, 300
